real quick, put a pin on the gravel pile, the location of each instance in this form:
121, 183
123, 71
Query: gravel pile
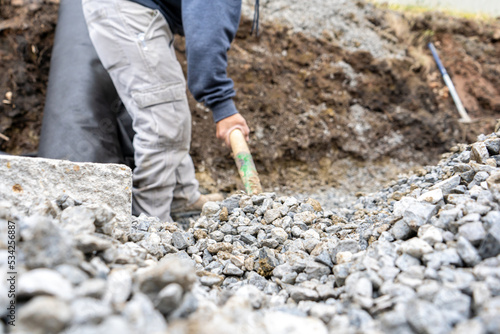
420, 256
348, 22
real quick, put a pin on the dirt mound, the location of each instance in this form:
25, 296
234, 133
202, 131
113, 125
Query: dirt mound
308, 100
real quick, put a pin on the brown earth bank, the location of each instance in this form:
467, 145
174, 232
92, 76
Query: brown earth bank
309, 103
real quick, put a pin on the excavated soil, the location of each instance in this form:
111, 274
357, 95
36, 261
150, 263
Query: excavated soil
310, 103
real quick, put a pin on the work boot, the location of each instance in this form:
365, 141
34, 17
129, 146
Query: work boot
195, 208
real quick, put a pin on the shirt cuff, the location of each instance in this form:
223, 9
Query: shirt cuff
223, 110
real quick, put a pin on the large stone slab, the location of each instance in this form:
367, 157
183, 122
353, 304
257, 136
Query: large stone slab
25, 182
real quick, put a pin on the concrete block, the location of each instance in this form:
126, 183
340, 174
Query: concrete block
25, 182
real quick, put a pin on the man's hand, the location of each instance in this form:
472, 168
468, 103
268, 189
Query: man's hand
227, 125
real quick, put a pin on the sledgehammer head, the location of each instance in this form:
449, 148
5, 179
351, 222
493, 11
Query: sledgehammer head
244, 162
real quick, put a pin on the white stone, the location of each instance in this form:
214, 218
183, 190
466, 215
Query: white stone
45, 282
433, 196
343, 257
415, 247
430, 234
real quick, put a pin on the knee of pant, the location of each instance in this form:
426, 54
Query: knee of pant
163, 117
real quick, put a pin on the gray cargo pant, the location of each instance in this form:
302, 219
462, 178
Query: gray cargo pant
135, 45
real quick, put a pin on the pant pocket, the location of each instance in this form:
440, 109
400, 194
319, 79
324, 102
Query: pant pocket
103, 36
151, 32
164, 117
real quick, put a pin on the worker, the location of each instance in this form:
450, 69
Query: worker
134, 42
83, 120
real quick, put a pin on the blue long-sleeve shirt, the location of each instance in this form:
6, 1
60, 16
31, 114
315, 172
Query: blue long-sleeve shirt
209, 27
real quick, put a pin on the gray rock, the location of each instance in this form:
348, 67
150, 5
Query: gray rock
415, 247
324, 258
272, 215
248, 239
78, 220
279, 234
469, 326
231, 203
298, 294
46, 245
44, 314
491, 218
210, 209
474, 232
401, 230
448, 256
126, 253
493, 146
491, 244
169, 298
258, 199
448, 216
418, 214
454, 305
211, 280
310, 244
291, 201
430, 234
151, 280
94, 288
326, 291
88, 182
412, 277
100, 269
348, 245
73, 274
395, 322
152, 243
140, 312
291, 278
273, 322
424, 317
467, 252
341, 272
88, 243
316, 270
489, 315
360, 289
323, 312
447, 185
250, 293
282, 270
232, 270
179, 241
188, 306
405, 261
45, 282
270, 243
434, 196
306, 217
360, 319
111, 325
119, 286
267, 261
217, 236
399, 292
428, 290
257, 280
89, 310
479, 152
480, 295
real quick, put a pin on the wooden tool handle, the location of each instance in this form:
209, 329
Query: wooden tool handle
244, 162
